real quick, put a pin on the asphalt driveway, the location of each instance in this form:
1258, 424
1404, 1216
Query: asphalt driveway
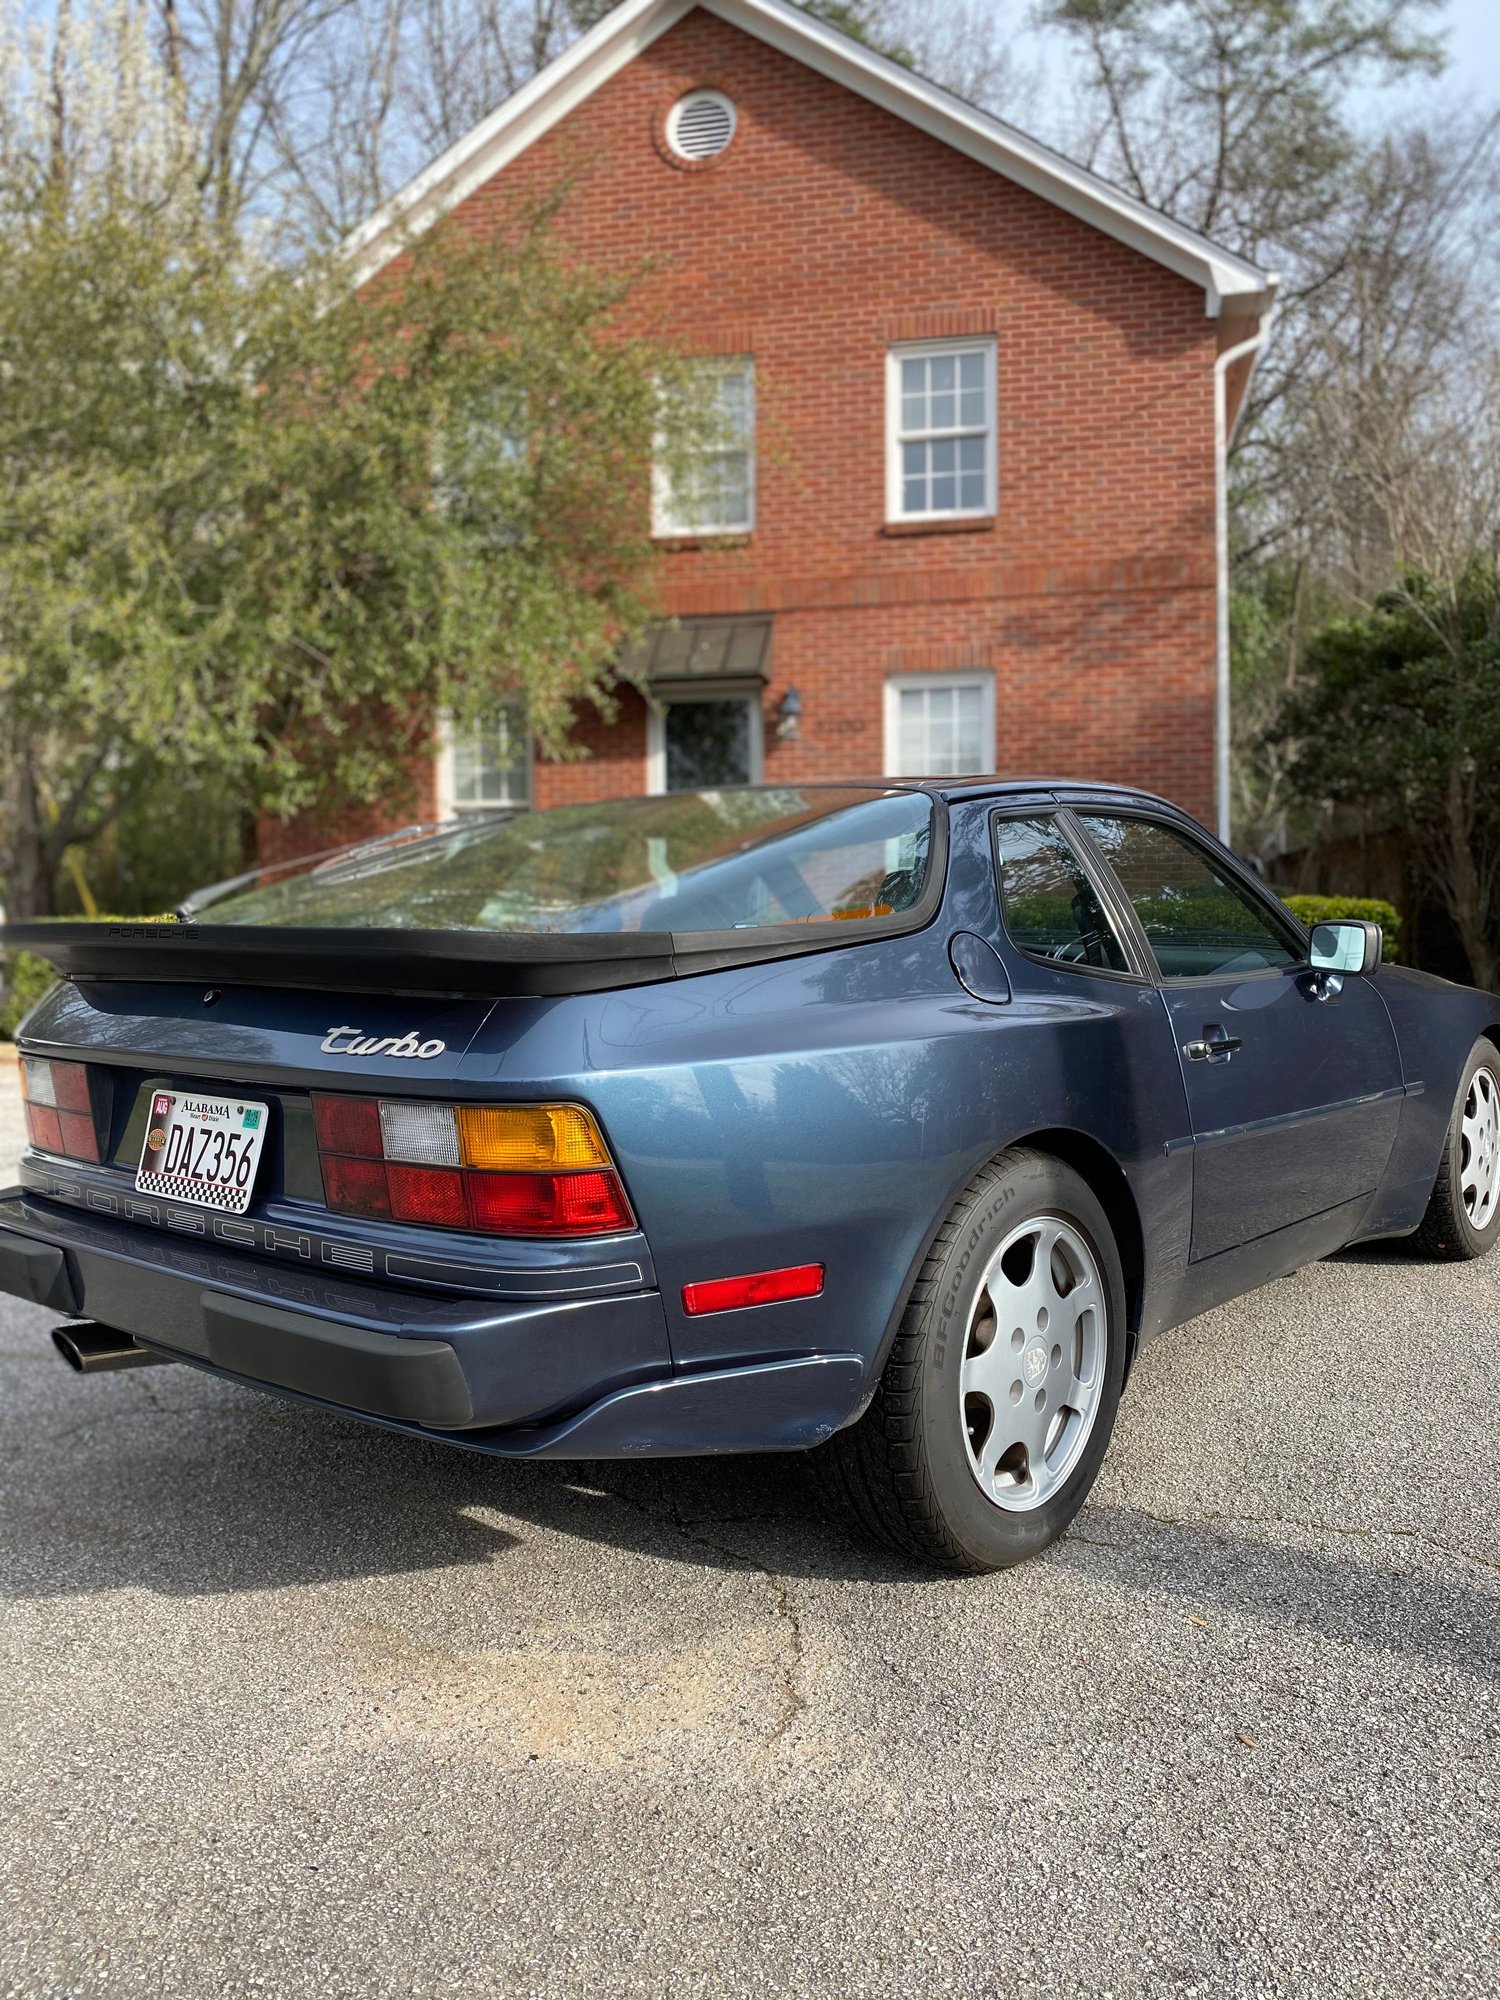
295, 1707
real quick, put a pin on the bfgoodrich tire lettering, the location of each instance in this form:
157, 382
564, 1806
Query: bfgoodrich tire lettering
1463, 1216
926, 1470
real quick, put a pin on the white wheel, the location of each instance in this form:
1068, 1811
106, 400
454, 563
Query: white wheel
1033, 1371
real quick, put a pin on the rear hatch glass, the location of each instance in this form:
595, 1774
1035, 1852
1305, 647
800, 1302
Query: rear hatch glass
690, 862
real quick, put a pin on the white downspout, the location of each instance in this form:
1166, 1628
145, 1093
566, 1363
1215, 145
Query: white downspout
1221, 534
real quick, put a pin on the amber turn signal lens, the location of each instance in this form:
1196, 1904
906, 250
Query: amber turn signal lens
529, 1138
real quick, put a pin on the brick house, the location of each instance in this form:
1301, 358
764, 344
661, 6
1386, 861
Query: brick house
968, 514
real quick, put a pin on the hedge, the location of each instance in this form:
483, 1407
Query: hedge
27, 977
1312, 910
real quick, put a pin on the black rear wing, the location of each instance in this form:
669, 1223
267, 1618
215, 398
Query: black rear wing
490, 964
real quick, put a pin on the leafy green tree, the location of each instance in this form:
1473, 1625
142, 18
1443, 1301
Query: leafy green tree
1400, 712
1250, 121
254, 529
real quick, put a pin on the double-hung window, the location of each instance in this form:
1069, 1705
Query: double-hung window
940, 726
942, 451
705, 477
485, 767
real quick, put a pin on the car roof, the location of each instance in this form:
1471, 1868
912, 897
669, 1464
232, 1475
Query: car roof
976, 787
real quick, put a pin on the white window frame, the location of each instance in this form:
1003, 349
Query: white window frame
899, 684
664, 525
897, 437
449, 807
656, 737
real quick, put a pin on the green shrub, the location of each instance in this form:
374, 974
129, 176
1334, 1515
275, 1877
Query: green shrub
1312, 910
26, 977
26, 980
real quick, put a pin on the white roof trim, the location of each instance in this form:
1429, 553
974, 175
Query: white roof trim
1230, 283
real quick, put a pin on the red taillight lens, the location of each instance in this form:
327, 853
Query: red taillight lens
44, 1128
470, 1167
348, 1125
70, 1081
548, 1204
80, 1138
764, 1288
356, 1187
434, 1195
60, 1108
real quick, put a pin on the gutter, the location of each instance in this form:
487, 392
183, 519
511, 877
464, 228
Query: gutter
1222, 442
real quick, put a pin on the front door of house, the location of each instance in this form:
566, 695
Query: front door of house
710, 742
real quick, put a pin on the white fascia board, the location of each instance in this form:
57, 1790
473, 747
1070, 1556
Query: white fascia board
1226, 280
1229, 283
525, 116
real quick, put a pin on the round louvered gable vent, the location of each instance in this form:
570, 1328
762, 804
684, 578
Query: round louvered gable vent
701, 125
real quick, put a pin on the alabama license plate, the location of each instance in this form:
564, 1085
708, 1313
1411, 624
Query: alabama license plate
202, 1149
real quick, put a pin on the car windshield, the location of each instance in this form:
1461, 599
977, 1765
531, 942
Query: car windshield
692, 861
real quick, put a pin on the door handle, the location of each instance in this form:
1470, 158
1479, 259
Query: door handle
1213, 1046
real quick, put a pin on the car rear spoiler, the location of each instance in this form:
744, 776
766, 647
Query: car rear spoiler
489, 964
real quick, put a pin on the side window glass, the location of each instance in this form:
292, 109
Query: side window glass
1051, 908
1198, 921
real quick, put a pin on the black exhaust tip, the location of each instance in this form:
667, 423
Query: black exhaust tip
91, 1349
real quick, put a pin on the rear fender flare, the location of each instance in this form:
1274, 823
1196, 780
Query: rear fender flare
1105, 1176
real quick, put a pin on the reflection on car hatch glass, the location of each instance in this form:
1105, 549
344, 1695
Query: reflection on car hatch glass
691, 862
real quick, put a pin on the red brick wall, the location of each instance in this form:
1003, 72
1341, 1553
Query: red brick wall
829, 230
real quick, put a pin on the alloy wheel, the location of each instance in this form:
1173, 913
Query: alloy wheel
1479, 1134
1034, 1362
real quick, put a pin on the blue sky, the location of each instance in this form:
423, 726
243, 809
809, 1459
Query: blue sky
1474, 41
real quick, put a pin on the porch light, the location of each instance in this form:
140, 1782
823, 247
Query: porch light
789, 716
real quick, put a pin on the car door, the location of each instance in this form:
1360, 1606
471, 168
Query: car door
1099, 1058
1293, 1082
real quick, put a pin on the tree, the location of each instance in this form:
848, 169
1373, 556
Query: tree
1400, 713
374, 89
1237, 117
255, 528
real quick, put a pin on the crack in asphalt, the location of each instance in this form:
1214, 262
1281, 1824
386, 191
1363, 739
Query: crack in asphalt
793, 1697
1336, 1528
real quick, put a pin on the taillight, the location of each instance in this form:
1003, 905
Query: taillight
59, 1108
499, 1169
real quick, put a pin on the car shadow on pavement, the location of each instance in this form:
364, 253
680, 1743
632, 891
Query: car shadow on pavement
189, 1491
231, 1492
1337, 1583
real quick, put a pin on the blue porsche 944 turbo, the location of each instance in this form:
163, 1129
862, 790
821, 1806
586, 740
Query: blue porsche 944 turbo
891, 1120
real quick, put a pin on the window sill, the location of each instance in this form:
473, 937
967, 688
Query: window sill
961, 524
709, 538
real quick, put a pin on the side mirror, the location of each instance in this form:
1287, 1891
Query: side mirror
1347, 947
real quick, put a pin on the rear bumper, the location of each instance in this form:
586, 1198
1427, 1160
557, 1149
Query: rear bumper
588, 1378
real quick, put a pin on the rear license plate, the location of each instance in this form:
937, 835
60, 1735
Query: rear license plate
202, 1149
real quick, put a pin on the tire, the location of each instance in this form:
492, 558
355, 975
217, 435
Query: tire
1463, 1217
944, 1464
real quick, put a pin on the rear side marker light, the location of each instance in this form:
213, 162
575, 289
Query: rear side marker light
60, 1108
500, 1169
764, 1288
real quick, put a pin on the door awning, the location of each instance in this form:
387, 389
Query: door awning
701, 655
